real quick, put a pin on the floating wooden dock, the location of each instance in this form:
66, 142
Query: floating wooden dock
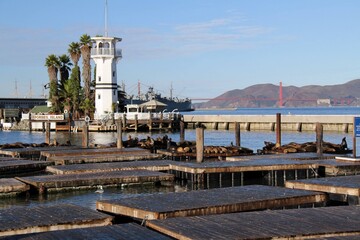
20, 167
128, 231
285, 224
89, 151
127, 156
31, 152
345, 188
57, 183
22, 220
269, 171
206, 202
159, 165
11, 187
288, 156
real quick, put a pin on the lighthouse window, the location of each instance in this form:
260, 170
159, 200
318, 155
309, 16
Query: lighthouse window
99, 78
99, 96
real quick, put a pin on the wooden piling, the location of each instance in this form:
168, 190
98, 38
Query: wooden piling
278, 129
182, 130
237, 134
199, 143
136, 122
319, 139
47, 134
85, 136
119, 142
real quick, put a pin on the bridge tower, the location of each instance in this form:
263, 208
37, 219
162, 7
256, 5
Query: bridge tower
280, 95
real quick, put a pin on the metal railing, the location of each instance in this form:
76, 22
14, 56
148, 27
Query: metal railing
106, 51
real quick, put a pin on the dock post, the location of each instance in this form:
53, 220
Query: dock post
119, 143
136, 122
199, 142
319, 139
85, 136
47, 133
237, 134
182, 130
30, 125
278, 129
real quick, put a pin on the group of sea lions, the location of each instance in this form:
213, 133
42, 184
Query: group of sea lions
293, 147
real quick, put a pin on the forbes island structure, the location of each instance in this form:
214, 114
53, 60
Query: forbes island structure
106, 56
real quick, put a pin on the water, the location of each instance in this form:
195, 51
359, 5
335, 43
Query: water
253, 140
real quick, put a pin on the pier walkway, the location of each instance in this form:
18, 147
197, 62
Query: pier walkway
339, 123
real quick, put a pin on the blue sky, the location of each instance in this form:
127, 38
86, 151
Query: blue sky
203, 47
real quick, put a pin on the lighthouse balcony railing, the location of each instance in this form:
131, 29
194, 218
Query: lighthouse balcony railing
106, 52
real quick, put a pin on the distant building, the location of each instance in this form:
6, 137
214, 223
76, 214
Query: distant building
11, 108
324, 101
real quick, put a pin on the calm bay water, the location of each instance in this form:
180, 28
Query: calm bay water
253, 140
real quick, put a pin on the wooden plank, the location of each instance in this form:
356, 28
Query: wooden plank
129, 231
159, 165
65, 160
56, 183
242, 166
21, 220
347, 185
31, 151
290, 223
19, 167
205, 202
90, 151
292, 156
11, 187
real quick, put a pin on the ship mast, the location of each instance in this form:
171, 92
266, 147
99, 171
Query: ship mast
106, 20
171, 91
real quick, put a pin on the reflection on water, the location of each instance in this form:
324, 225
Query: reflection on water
85, 198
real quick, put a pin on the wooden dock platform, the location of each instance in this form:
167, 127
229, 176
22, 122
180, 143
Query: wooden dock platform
11, 187
288, 156
22, 220
285, 224
128, 231
158, 165
89, 151
269, 171
67, 182
31, 152
126, 156
21, 167
345, 188
206, 202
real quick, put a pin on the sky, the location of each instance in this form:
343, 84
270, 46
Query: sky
203, 48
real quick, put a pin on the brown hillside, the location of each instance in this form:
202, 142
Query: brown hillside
267, 95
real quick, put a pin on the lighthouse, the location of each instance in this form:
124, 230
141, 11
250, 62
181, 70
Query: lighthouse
106, 56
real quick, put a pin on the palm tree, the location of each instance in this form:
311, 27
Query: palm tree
53, 64
74, 51
85, 42
75, 54
64, 69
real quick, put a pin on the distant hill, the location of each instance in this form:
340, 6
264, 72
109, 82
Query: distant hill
267, 95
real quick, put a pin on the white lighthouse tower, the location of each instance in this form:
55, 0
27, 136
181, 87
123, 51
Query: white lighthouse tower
106, 55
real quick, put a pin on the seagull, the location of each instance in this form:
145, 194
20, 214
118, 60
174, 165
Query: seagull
100, 189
